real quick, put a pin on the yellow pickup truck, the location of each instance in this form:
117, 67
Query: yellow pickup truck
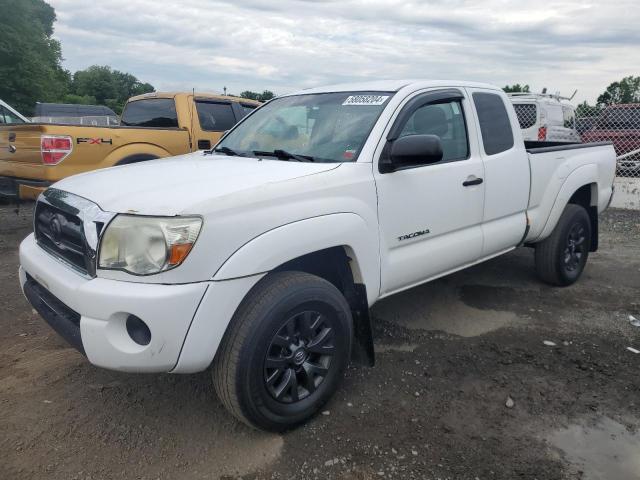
153, 125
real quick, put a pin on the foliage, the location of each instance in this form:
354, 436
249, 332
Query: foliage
30, 60
626, 90
586, 110
262, 97
108, 87
516, 88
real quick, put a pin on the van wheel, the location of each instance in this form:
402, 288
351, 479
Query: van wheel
284, 352
561, 258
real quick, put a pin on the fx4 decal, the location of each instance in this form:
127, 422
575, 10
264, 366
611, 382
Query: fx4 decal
413, 235
94, 141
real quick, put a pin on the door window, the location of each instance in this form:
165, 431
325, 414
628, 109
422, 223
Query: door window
495, 126
445, 120
215, 116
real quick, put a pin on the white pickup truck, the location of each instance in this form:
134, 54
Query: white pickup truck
262, 257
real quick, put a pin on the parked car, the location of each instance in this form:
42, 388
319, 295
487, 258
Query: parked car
10, 115
545, 117
620, 124
262, 256
154, 125
74, 114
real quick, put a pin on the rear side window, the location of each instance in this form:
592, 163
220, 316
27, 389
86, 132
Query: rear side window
152, 112
527, 114
215, 116
247, 109
495, 127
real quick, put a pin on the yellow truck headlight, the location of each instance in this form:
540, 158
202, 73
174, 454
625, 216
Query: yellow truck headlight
147, 245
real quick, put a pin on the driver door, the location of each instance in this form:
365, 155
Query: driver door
430, 216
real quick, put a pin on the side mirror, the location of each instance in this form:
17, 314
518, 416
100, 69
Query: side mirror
413, 150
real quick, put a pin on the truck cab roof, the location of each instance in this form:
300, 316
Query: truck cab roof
392, 86
208, 96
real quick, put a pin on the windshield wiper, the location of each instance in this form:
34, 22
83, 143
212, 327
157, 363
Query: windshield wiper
284, 155
226, 151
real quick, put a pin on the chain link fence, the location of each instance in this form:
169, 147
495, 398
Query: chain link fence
552, 118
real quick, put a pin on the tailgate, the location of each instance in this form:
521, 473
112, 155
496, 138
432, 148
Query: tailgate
19, 144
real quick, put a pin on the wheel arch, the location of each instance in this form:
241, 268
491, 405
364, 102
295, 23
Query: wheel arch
335, 247
580, 188
587, 197
128, 153
328, 234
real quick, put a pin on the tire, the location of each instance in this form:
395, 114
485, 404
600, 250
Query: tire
561, 258
284, 352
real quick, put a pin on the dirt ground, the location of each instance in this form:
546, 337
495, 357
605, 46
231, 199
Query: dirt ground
464, 388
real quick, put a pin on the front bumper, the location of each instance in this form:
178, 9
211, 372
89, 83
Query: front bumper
102, 306
22, 188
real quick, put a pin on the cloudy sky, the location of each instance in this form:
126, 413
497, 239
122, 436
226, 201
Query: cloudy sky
285, 45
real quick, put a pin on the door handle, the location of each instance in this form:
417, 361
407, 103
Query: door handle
472, 181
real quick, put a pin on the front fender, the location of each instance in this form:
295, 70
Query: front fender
275, 247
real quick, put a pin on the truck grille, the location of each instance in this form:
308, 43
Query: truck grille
61, 234
69, 227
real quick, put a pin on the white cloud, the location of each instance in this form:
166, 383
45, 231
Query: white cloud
290, 44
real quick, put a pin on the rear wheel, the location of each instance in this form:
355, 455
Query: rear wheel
561, 258
285, 351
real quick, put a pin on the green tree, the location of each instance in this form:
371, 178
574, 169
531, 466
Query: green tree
626, 90
249, 94
266, 95
30, 60
262, 97
109, 87
516, 88
586, 110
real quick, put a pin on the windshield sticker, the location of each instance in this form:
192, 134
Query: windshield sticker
365, 100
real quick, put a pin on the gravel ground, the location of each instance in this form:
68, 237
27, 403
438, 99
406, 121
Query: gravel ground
464, 387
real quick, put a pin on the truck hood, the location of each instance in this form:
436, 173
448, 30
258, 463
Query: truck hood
178, 185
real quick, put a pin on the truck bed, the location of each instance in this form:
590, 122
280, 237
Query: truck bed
551, 163
21, 161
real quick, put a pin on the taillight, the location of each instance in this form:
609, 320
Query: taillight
54, 148
542, 133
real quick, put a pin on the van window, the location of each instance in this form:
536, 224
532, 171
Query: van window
215, 116
445, 120
527, 114
495, 126
569, 117
150, 112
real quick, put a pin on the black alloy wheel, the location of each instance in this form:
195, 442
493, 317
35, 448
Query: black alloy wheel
299, 357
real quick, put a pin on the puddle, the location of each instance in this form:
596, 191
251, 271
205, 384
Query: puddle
437, 306
604, 451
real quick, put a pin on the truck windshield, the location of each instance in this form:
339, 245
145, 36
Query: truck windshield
327, 127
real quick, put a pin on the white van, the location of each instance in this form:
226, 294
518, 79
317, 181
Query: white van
545, 117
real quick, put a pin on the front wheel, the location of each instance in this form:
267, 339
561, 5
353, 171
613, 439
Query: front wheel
561, 258
285, 351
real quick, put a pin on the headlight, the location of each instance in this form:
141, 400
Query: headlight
147, 245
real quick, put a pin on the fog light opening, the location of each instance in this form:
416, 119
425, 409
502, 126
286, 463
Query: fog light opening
138, 330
